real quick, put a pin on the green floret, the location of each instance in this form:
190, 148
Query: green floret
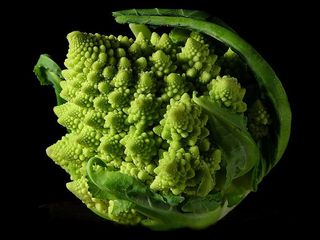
198, 60
183, 127
175, 86
122, 78
108, 73
192, 55
117, 210
163, 43
183, 122
69, 116
89, 137
141, 147
116, 121
119, 98
125, 65
144, 110
101, 104
122, 211
140, 64
146, 84
110, 149
161, 64
175, 168
213, 161
80, 189
233, 65
124, 41
192, 51
141, 47
86, 59
210, 69
228, 93
70, 155
90, 89
94, 119
259, 120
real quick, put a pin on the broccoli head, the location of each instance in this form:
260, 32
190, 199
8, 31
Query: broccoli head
158, 127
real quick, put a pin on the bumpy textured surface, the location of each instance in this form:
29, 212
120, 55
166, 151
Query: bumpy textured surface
129, 102
227, 91
259, 120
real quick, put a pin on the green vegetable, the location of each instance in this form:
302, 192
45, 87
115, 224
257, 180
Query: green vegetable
48, 72
168, 130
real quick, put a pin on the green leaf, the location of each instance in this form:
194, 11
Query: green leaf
49, 73
202, 204
163, 12
159, 214
115, 185
97, 192
239, 150
238, 190
258, 173
207, 183
173, 200
121, 206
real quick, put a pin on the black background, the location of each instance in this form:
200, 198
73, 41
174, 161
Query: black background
284, 202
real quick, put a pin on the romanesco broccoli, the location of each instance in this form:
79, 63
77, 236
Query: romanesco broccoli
158, 127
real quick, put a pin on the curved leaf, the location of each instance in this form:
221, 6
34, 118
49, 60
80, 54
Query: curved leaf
49, 73
161, 215
195, 14
229, 131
